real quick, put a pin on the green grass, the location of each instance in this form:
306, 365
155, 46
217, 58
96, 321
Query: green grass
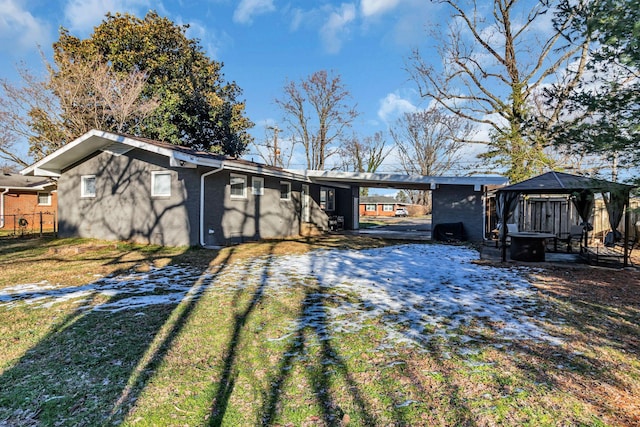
230, 357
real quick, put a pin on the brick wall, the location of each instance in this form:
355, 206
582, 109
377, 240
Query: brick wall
23, 204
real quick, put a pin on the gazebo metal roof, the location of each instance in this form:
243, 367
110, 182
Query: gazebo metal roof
564, 183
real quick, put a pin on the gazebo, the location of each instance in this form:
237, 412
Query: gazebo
581, 189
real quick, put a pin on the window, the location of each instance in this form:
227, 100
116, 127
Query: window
161, 184
238, 185
257, 186
285, 190
44, 199
387, 208
370, 208
88, 186
327, 199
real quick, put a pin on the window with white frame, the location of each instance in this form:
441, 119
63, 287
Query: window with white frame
88, 186
387, 208
285, 190
161, 184
238, 186
44, 199
370, 208
257, 186
327, 199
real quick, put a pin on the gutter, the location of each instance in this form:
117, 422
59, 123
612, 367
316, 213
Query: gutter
202, 177
6, 190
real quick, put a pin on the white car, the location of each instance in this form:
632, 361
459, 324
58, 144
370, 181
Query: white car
402, 212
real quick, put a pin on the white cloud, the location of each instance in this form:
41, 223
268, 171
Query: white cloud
19, 29
393, 106
376, 7
247, 9
336, 28
83, 15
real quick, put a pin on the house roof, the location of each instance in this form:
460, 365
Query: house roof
386, 200
118, 144
389, 180
563, 183
13, 181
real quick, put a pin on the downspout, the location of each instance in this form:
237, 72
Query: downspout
6, 190
202, 177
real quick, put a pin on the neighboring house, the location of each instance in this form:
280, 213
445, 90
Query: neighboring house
119, 187
27, 202
379, 206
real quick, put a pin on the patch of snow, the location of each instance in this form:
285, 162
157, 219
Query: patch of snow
415, 293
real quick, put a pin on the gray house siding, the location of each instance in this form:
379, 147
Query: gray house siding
459, 203
123, 208
230, 219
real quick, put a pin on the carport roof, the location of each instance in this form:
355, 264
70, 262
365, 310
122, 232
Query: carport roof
390, 180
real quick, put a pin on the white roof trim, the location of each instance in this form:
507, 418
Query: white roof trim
95, 140
36, 188
363, 178
259, 170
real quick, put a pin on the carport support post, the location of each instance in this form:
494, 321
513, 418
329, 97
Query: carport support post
503, 235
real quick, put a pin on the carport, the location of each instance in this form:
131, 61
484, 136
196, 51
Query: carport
455, 199
581, 189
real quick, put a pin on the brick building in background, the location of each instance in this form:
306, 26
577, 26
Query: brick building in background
27, 204
379, 206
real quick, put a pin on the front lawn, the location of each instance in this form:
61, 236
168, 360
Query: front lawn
327, 331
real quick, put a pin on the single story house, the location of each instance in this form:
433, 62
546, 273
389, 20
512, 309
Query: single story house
27, 201
379, 206
121, 187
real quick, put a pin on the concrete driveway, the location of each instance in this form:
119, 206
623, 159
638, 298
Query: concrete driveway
408, 228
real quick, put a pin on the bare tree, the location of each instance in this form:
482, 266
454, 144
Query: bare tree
92, 95
364, 155
273, 150
318, 114
50, 112
429, 143
119, 94
492, 65
20, 107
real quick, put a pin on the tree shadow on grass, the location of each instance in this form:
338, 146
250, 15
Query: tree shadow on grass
229, 373
313, 317
92, 365
322, 373
597, 364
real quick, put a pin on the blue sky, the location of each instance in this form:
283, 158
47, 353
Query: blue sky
262, 43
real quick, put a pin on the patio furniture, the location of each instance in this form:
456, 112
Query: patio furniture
575, 234
529, 245
336, 223
511, 228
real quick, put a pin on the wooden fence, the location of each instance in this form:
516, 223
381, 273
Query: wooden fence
556, 214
